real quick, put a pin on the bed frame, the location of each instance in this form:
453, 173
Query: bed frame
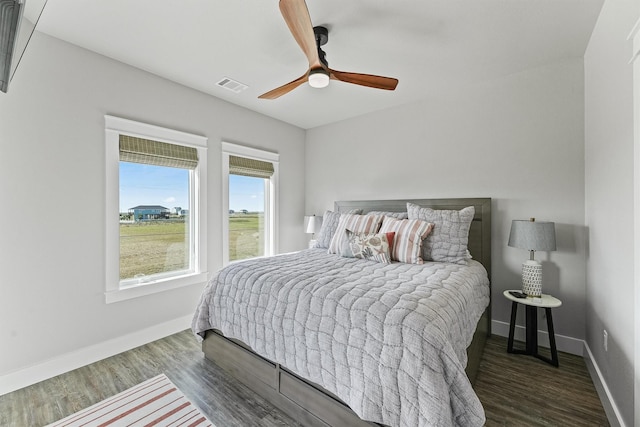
309, 403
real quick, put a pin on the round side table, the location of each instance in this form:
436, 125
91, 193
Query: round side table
532, 304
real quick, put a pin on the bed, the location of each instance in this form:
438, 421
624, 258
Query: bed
340, 341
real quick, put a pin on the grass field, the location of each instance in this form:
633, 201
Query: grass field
245, 236
160, 246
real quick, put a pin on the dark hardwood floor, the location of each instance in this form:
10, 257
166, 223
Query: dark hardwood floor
515, 390
518, 390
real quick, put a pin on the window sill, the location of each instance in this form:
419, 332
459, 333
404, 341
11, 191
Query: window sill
143, 289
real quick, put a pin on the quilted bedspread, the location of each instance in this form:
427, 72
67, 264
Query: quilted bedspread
388, 339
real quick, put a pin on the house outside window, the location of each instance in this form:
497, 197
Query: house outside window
148, 213
250, 191
152, 247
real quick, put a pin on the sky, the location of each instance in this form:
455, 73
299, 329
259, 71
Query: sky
169, 187
246, 193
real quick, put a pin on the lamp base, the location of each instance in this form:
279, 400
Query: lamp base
532, 278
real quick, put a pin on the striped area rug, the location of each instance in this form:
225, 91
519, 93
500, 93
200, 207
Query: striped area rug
155, 402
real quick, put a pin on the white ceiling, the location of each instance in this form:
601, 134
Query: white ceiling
429, 45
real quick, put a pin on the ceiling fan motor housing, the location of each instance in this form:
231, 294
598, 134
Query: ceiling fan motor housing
322, 35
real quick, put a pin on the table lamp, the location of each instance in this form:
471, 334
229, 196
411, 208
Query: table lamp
534, 236
311, 224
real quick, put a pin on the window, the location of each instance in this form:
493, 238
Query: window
156, 189
250, 182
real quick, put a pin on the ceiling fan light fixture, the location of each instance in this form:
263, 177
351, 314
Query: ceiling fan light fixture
318, 78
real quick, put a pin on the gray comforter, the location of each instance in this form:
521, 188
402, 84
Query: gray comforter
389, 340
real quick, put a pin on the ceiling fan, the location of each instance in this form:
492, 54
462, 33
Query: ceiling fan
310, 39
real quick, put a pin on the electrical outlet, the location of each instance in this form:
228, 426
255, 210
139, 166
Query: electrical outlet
605, 340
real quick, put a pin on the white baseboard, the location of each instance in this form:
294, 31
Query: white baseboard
609, 405
563, 343
84, 356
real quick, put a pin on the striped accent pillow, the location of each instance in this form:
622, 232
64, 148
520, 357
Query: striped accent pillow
407, 243
330, 221
396, 215
355, 223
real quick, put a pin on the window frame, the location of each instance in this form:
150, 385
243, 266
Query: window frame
115, 289
271, 196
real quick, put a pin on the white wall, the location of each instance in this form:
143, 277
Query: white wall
609, 212
52, 190
518, 140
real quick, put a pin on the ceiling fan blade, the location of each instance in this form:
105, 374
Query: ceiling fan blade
284, 89
296, 15
369, 80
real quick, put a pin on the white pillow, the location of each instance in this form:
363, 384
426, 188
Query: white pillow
450, 236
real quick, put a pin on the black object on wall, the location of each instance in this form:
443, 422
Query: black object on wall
10, 17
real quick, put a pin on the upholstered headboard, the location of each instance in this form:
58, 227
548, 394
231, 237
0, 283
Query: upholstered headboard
479, 234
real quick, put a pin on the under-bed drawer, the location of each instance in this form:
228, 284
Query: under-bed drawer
240, 361
306, 394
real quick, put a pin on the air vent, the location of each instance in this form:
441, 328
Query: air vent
232, 85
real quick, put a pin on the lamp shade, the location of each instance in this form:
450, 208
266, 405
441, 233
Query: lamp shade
311, 223
533, 235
